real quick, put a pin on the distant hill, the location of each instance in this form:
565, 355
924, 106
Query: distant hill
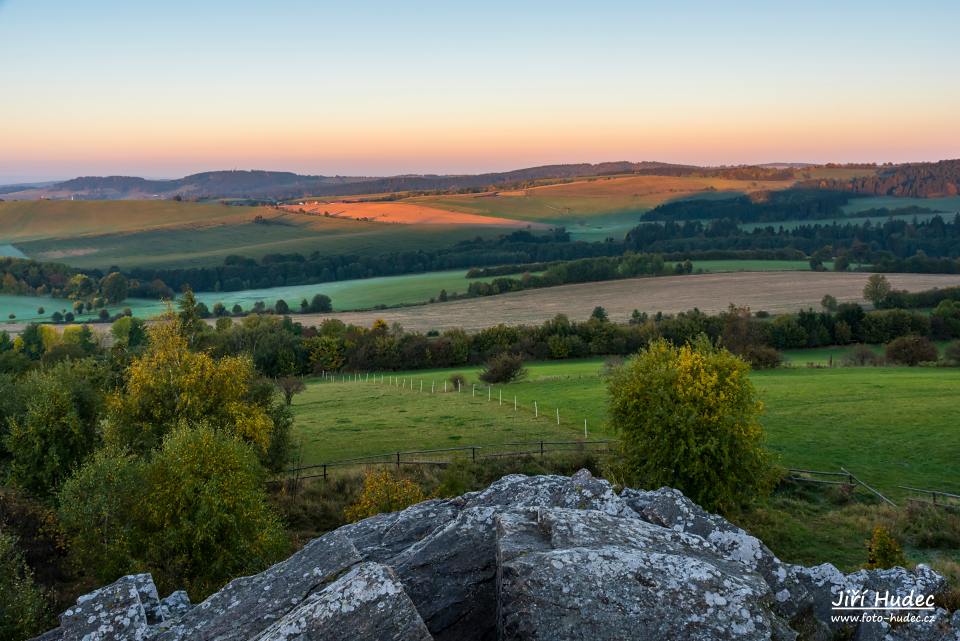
917, 180
279, 185
930, 179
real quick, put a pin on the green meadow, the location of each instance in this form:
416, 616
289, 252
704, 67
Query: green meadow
890, 425
363, 293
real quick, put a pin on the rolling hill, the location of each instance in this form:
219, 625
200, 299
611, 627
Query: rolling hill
279, 185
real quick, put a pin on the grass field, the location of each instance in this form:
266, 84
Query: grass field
577, 202
852, 220
715, 266
94, 234
948, 204
890, 426
363, 293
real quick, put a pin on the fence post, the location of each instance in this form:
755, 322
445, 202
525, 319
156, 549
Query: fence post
536, 410
474, 389
501, 396
473, 451
488, 392
558, 416
514, 403
398, 460
324, 471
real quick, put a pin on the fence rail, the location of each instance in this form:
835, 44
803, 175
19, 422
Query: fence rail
936, 497
448, 455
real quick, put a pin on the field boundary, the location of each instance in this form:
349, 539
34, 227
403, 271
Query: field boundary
446, 456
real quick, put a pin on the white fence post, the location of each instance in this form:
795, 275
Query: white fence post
536, 410
558, 416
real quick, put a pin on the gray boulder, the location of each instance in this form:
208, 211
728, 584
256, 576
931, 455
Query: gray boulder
366, 603
248, 605
545, 557
125, 609
574, 574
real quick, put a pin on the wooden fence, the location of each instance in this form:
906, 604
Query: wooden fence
846, 478
448, 455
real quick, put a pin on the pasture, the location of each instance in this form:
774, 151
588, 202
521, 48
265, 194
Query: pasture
891, 426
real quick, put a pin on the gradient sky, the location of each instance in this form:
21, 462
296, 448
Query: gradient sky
166, 88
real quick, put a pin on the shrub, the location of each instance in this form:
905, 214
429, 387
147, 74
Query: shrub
877, 289
97, 508
688, 418
883, 551
860, 355
458, 381
57, 428
383, 492
23, 605
503, 368
911, 350
195, 514
290, 386
206, 513
928, 526
952, 353
169, 384
320, 303
763, 357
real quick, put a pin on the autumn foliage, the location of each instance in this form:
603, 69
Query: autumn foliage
383, 492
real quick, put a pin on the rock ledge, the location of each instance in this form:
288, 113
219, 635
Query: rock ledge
546, 557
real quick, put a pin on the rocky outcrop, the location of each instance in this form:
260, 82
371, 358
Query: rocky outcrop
547, 557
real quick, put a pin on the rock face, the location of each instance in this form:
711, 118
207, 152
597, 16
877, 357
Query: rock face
547, 557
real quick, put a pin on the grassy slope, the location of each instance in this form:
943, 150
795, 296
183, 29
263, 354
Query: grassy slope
94, 234
22, 221
570, 203
891, 426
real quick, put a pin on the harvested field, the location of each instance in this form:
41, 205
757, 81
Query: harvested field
399, 213
776, 292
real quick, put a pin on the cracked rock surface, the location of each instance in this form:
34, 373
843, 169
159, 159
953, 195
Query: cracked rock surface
545, 557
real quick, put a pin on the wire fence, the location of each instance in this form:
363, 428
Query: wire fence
447, 455
542, 448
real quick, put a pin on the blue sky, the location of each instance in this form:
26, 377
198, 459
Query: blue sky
166, 88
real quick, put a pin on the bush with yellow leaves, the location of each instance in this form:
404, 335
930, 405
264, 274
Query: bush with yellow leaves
688, 419
383, 492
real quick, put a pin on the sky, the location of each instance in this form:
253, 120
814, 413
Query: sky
164, 89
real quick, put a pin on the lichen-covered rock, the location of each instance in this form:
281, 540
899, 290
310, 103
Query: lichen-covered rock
574, 574
669, 508
122, 610
544, 557
826, 583
248, 605
366, 603
175, 606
